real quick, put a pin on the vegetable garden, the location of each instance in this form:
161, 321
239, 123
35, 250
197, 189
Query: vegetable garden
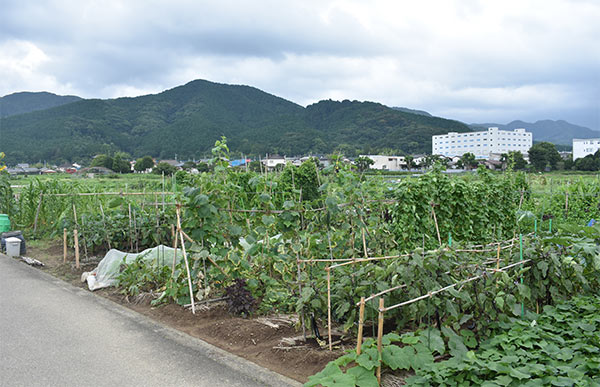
447, 259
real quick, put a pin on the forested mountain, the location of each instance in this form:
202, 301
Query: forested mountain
26, 102
557, 132
413, 111
188, 119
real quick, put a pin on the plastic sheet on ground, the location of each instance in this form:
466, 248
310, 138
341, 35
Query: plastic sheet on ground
107, 271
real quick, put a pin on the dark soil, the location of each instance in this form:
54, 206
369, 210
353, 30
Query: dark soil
248, 338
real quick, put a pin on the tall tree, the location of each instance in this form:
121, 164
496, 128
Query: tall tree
468, 160
363, 163
143, 163
543, 155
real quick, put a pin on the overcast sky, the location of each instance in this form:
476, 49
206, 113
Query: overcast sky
475, 61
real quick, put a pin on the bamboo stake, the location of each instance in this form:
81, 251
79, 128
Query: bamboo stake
437, 230
187, 266
76, 248
130, 236
135, 232
379, 336
329, 307
173, 235
105, 228
361, 319
174, 252
364, 241
37, 213
300, 292
64, 245
85, 250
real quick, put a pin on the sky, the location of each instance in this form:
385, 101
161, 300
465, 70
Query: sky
474, 61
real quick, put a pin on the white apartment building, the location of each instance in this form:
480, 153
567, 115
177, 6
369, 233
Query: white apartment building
387, 163
585, 146
482, 143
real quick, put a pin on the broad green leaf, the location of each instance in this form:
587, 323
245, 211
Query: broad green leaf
363, 377
369, 358
397, 357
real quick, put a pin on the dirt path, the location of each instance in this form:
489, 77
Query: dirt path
248, 338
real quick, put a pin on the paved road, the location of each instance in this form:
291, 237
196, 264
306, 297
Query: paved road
54, 334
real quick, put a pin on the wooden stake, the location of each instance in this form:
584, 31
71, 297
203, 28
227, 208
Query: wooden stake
76, 248
130, 236
300, 292
379, 337
187, 266
361, 319
105, 228
75, 215
64, 245
135, 232
329, 308
436, 224
37, 213
364, 240
175, 252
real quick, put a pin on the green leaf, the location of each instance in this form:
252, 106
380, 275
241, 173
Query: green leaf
369, 358
423, 357
363, 377
433, 340
519, 373
397, 357
268, 220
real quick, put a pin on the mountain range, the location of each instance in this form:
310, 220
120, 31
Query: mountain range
187, 120
26, 102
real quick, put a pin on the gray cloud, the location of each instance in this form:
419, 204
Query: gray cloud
464, 59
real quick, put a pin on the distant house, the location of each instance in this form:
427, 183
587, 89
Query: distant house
173, 163
23, 169
272, 161
386, 163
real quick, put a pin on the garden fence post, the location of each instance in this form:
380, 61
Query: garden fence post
521, 259
76, 248
329, 306
361, 318
379, 337
64, 245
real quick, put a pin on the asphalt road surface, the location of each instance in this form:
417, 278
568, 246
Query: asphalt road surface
54, 334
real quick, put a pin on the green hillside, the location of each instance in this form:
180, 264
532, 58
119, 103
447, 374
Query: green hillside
26, 102
188, 119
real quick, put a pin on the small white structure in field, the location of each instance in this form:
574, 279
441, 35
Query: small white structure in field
387, 163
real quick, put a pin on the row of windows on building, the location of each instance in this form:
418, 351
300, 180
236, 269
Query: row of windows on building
472, 140
469, 146
483, 134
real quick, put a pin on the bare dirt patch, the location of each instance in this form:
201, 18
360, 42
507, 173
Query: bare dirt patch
249, 338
